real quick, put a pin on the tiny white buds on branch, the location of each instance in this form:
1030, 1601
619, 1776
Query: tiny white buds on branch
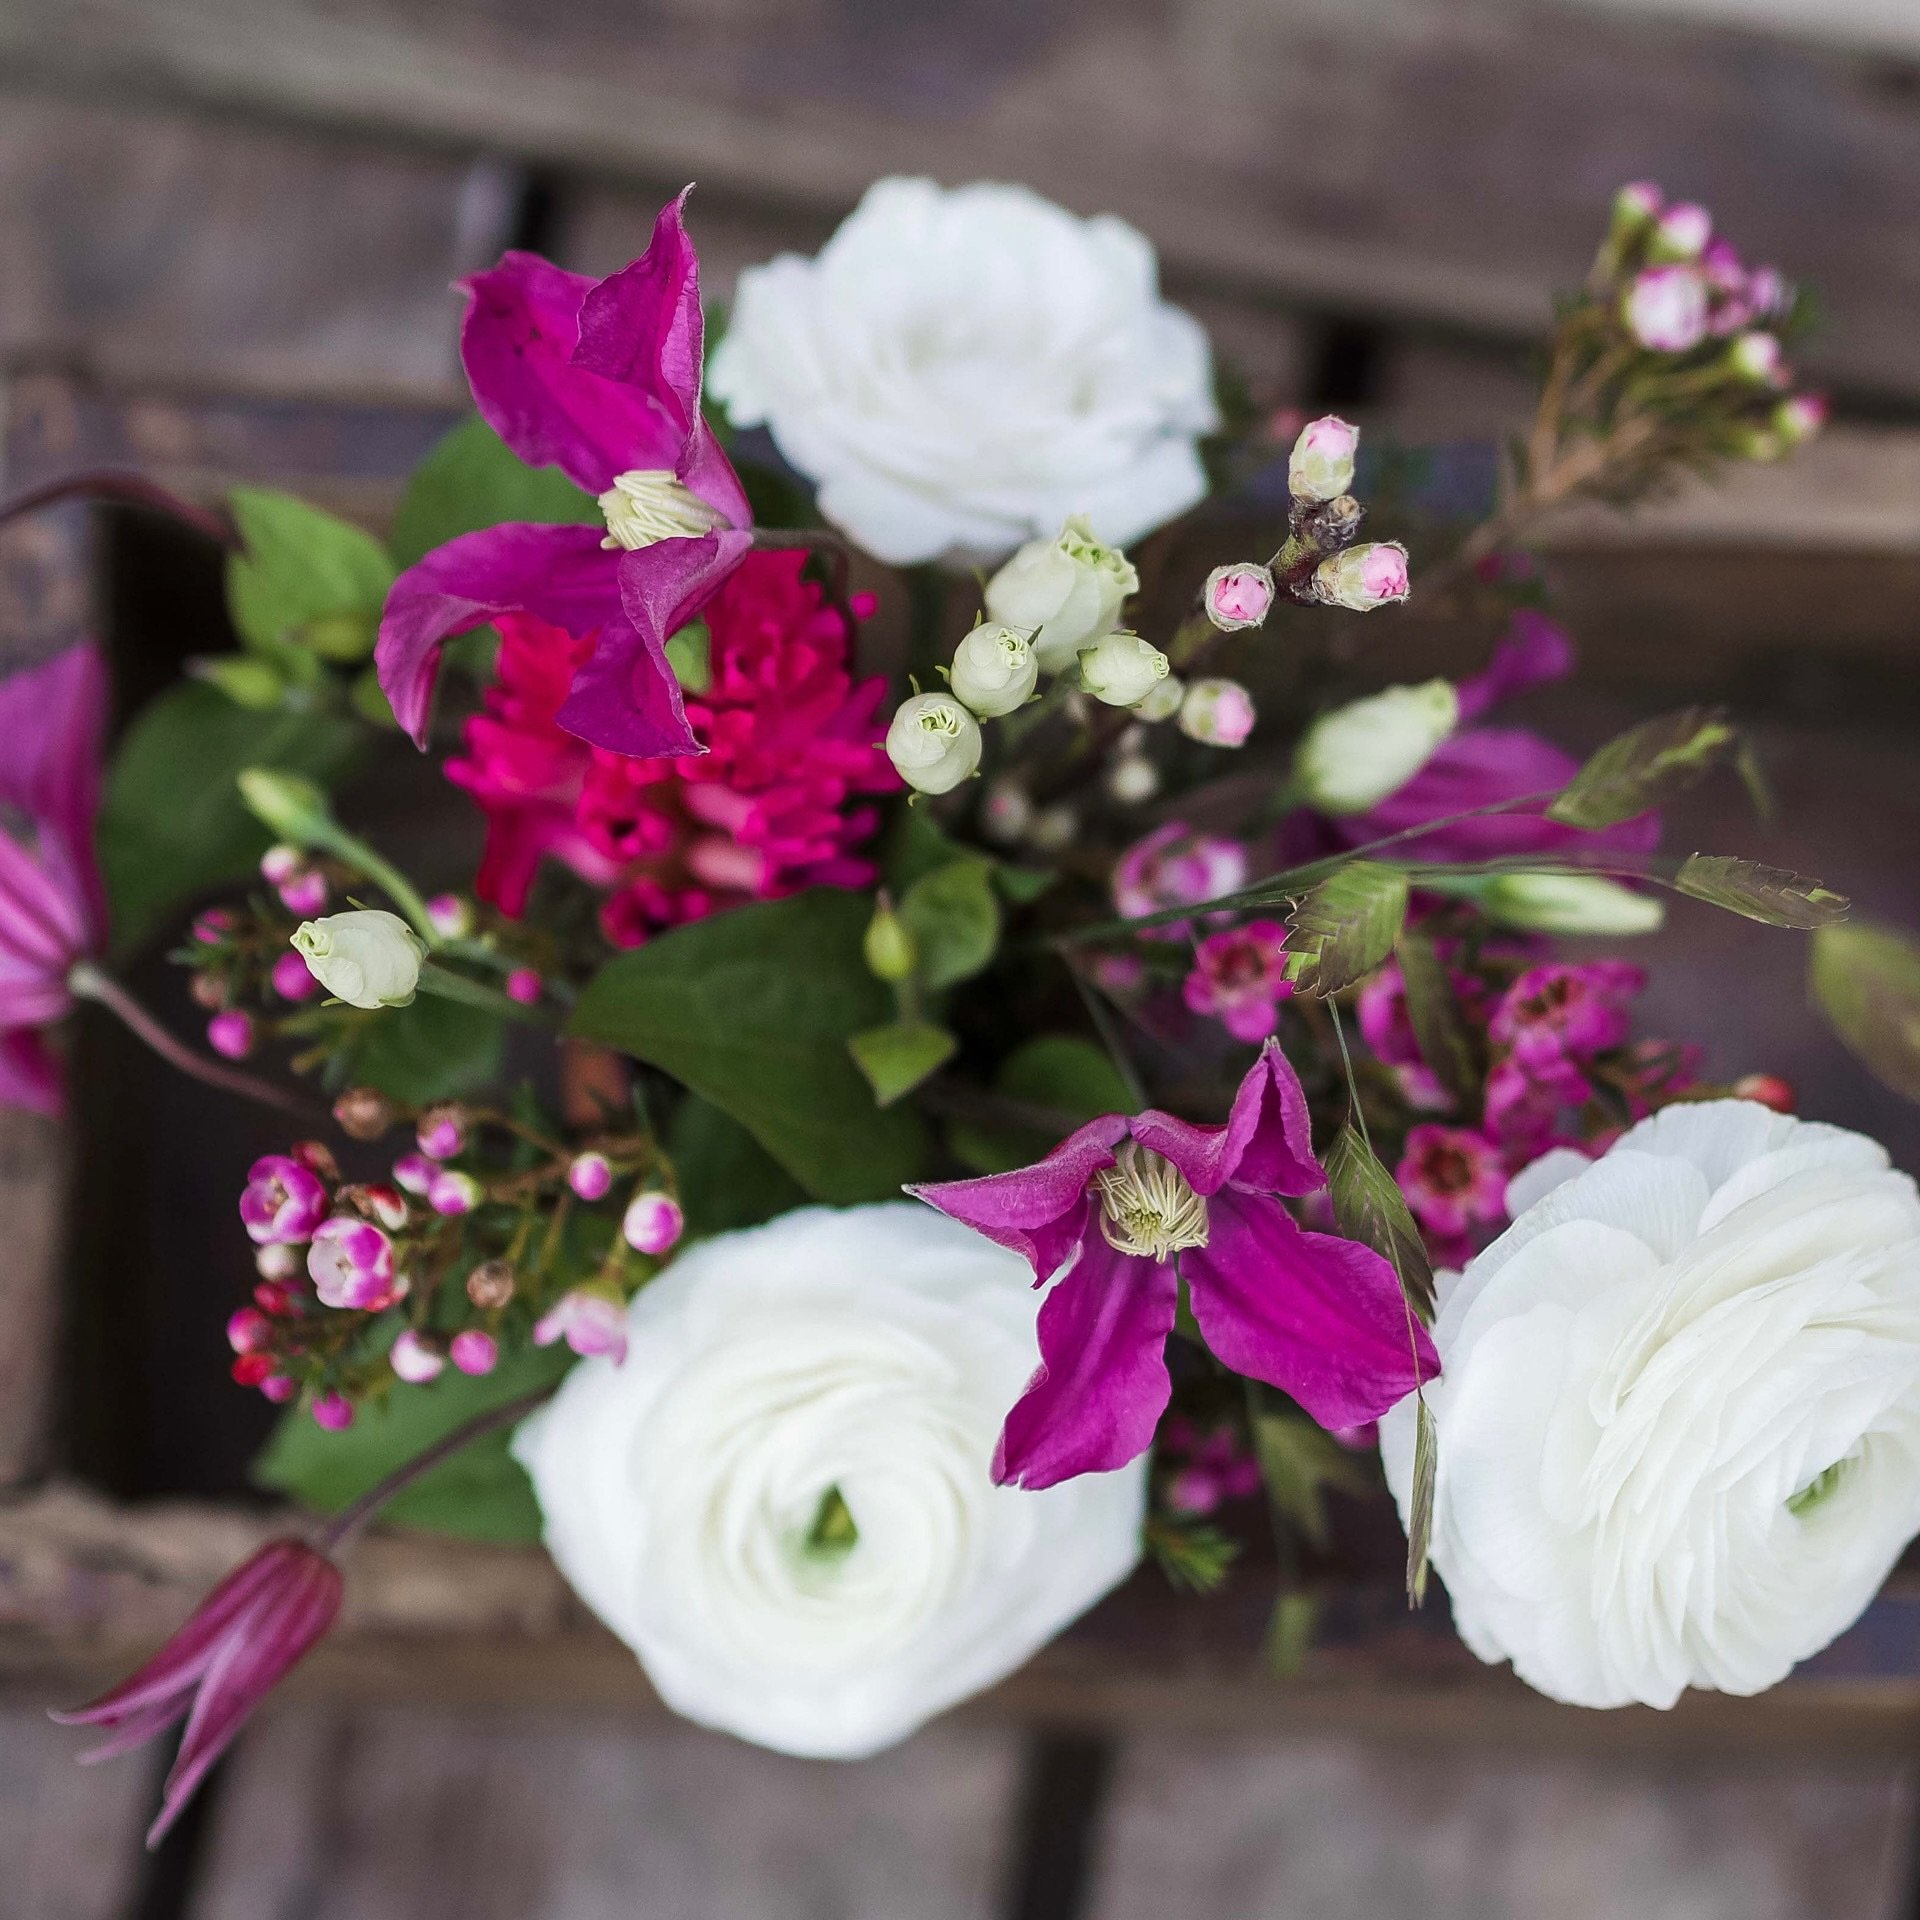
1121, 669
1320, 466
994, 670
1133, 779
933, 742
1373, 574
1238, 596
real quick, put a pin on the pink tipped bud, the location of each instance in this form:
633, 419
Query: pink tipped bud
272, 1297
1635, 206
334, 1411
230, 1034
1217, 713
450, 916
1238, 596
317, 1157
416, 1358
523, 985
453, 1192
351, 1265
590, 1176
283, 1202
1320, 466
378, 1202
415, 1173
473, 1351
1666, 309
653, 1223
589, 1320
1800, 418
443, 1131
304, 893
1682, 232
279, 864
1757, 357
213, 926
279, 1388
1768, 293
1371, 575
1768, 1089
248, 1329
292, 978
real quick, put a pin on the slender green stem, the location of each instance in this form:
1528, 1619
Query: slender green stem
444, 984
384, 874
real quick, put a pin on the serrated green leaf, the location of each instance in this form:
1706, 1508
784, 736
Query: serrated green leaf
1369, 1207
752, 1010
472, 479
897, 1057
1433, 1009
1866, 979
1426, 1462
1345, 927
1644, 767
1300, 1464
301, 569
954, 921
1775, 896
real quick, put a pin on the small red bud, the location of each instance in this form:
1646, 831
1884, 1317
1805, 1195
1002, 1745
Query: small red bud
252, 1368
1768, 1089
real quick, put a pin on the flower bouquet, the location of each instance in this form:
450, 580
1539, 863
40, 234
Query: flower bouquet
956, 1073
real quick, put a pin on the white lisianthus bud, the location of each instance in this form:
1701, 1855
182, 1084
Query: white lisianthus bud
1217, 713
368, 958
1162, 701
1132, 779
1064, 593
1373, 574
1757, 357
994, 671
934, 742
1121, 669
1238, 596
1569, 903
1320, 466
1358, 754
652, 504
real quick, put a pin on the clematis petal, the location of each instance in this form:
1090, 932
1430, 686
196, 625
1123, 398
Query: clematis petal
31, 1078
1267, 1143
1102, 1383
53, 722
1532, 652
1319, 1317
517, 342
560, 574
1039, 1212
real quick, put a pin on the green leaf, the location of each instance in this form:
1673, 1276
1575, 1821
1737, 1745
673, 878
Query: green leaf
1300, 1464
248, 682
1426, 1460
1434, 1011
954, 921
753, 1010
1058, 1072
897, 1057
1866, 979
472, 479
1195, 1556
480, 1494
690, 655
1645, 767
727, 1179
1775, 896
431, 1049
1369, 1207
1345, 927
915, 847
172, 824
304, 578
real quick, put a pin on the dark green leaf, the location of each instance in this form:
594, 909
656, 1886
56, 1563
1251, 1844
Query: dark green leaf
172, 824
1645, 767
753, 1010
472, 479
303, 569
1866, 980
954, 921
1301, 1463
1370, 1208
916, 847
431, 1049
1426, 1460
727, 1179
1772, 895
897, 1057
1434, 1011
1057, 1072
1345, 927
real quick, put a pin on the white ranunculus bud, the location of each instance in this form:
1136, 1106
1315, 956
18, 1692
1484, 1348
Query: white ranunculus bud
1373, 574
1121, 669
834, 1383
994, 670
934, 742
1217, 713
1320, 466
1569, 903
1064, 592
1356, 755
653, 504
1678, 1421
368, 958
1162, 701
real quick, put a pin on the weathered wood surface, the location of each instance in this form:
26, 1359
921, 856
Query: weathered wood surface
69, 1838
1424, 160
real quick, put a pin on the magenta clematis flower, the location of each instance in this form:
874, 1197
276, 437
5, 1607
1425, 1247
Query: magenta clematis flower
1108, 1214
53, 909
1240, 977
240, 1642
602, 380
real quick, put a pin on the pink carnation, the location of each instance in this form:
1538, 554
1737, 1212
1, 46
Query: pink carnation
770, 808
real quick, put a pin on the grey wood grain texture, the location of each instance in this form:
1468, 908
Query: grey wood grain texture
33, 1191
1442, 160
332, 1814
69, 1837
1324, 1830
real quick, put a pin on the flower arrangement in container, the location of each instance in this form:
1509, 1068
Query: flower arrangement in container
984, 1111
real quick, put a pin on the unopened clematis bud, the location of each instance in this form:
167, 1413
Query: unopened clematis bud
994, 671
1800, 418
1768, 1089
590, 1176
1320, 466
653, 1223
1162, 701
1667, 308
652, 504
442, 1132
1682, 232
490, 1285
933, 742
452, 1192
283, 1203
887, 946
450, 916
230, 1034
1238, 596
1569, 903
1217, 713
1064, 594
1355, 756
363, 1113
293, 978
351, 1265
1373, 574
473, 1351
368, 958
1133, 779
591, 1320
1757, 357
1121, 669
416, 1357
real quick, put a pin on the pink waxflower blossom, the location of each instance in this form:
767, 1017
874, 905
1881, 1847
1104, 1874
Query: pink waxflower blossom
283, 1203
1384, 1022
351, 1265
590, 1176
333, 1411
450, 916
279, 1388
653, 1223
473, 1351
590, 1322
248, 1329
1561, 1012
1666, 308
414, 1173
1104, 1218
212, 926
1239, 977
442, 1132
1176, 867
416, 1357
602, 380
1454, 1179
292, 978
238, 1644
1238, 596
304, 893
453, 1192
230, 1034
1208, 1469
774, 805
523, 985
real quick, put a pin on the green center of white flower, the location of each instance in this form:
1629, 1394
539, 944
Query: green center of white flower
651, 504
1147, 1207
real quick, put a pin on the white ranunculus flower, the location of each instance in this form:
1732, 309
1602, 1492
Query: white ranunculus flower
782, 1501
959, 371
1679, 1417
368, 958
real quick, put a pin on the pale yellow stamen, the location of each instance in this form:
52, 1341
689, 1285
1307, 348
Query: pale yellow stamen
651, 504
1147, 1207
